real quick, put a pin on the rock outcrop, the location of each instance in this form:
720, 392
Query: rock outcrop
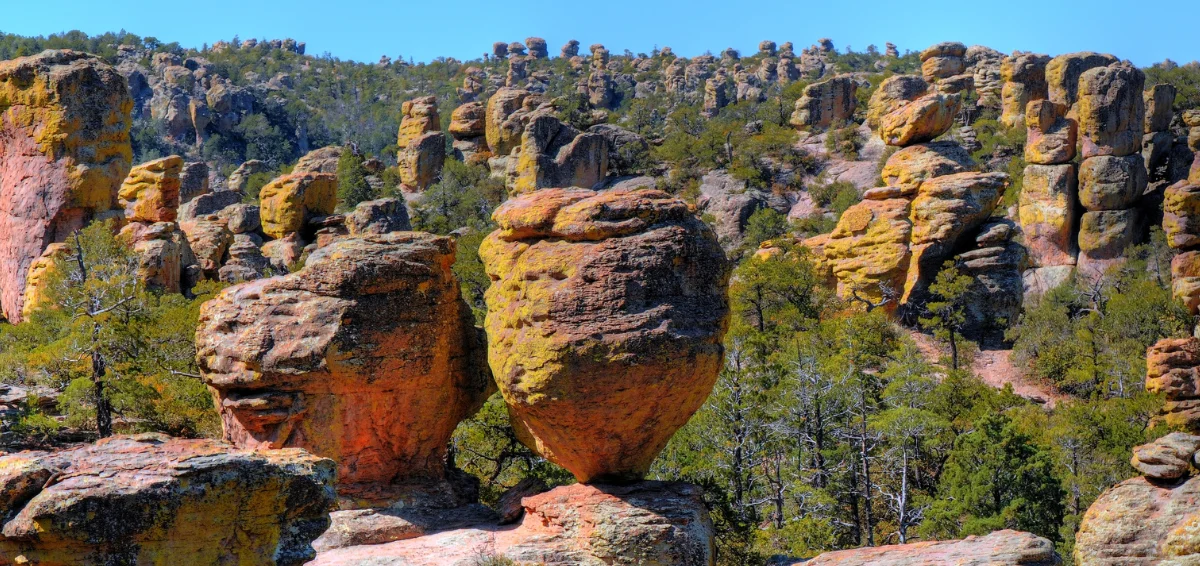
150, 499
1173, 370
288, 203
921, 120
468, 127
151, 191
576, 525
422, 145
64, 150
366, 356
555, 154
1000, 548
826, 103
605, 320
1024, 76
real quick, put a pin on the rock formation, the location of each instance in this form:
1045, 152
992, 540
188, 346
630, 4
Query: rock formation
64, 150
422, 145
555, 154
569, 49
1157, 140
323, 160
983, 64
371, 335
150, 499
999, 548
943, 61
468, 127
599, 386
537, 47
1024, 76
826, 103
894, 93
288, 203
1063, 74
41, 275
588, 525
716, 95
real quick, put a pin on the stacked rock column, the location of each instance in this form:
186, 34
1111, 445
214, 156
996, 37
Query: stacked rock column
1181, 223
1157, 140
1112, 175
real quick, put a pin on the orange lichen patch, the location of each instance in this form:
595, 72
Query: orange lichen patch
605, 320
288, 202
151, 191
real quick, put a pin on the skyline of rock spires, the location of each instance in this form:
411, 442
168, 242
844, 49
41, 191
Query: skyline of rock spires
758, 305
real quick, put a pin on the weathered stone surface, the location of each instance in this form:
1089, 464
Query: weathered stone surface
503, 130
826, 103
151, 499
1052, 136
868, 249
289, 202
241, 218
239, 178
1181, 215
284, 253
555, 154
1024, 76
1157, 148
246, 261
208, 203
209, 238
716, 95
576, 525
1104, 234
193, 180
605, 320
151, 191
1158, 100
628, 152
41, 272
378, 216
945, 209
731, 203
1037, 281
569, 49
1185, 279
1167, 458
1063, 73
160, 248
1173, 369
422, 144
1111, 183
371, 335
1047, 213
536, 47
64, 150
323, 160
1111, 110
920, 121
1000, 548
983, 63
894, 93
1140, 522
997, 264
909, 167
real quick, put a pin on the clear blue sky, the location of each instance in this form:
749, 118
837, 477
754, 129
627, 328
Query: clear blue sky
1144, 32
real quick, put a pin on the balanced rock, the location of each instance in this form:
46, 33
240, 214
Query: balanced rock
1104, 234
569, 49
422, 144
503, 125
826, 103
921, 120
162, 251
468, 127
323, 160
999, 548
537, 47
151, 499
1111, 110
241, 176
151, 191
943, 60
1046, 210
1181, 215
1185, 279
1052, 136
1158, 100
64, 150
1173, 369
289, 202
605, 320
371, 335
378, 216
894, 93
909, 167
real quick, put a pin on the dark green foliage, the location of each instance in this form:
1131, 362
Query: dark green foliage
352, 180
465, 196
1186, 79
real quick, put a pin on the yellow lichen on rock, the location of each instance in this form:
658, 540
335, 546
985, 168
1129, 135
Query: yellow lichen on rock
868, 250
151, 191
288, 202
41, 272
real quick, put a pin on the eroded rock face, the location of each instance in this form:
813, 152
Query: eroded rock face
1052, 136
894, 93
921, 120
468, 127
64, 150
605, 320
41, 272
503, 130
289, 202
826, 103
555, 154
909, 167
151, 191
378, 216
1185, 279
1111, 110
323, 160
1063, 74
371, 335
1181, 215
1000, 548
1111, 183
1047, 214
1141, 522
576, 525
868, 249
1024, 76
151, 499
1173, 369
422, 145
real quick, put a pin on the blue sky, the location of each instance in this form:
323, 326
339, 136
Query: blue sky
365, 29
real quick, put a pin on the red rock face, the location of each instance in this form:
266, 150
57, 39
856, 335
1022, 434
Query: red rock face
364, 356
64, 150
1173, 369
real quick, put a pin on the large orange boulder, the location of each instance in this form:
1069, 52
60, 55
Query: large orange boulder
605, 323
894, 93
151, 499
1024, 76
1047, 214
1000, 548
1185, 279
1111, 110
1052, 136
288, 203
909, 167
422, 144
364, 356
1142, 522
1181, 215
921, 120
64, 150
868, 249
555, 154
151, 191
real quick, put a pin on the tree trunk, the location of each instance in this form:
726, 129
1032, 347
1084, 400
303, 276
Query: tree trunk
103, 407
